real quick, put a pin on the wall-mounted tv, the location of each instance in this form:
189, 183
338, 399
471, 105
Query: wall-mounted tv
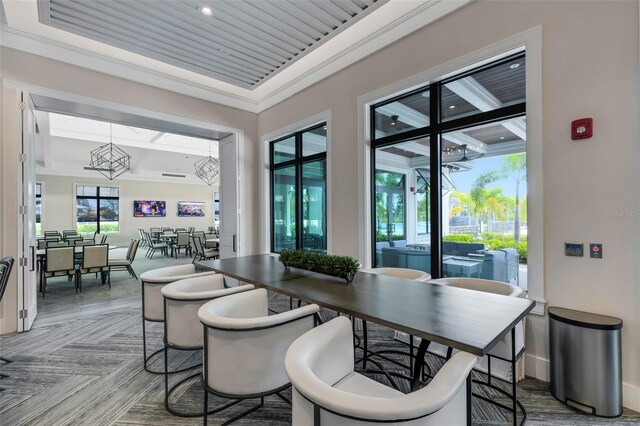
149, 208
191, 208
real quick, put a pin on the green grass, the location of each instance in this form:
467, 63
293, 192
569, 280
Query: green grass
105, 228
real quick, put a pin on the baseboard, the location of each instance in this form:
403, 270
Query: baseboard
539, 368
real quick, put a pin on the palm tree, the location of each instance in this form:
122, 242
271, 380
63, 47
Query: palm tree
513, 166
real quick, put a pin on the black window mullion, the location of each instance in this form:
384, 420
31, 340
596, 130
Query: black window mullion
299, 198
435, 182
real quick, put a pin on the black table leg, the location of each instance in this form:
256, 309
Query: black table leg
513, 375
419, 364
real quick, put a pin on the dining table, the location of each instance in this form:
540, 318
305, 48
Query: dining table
462, 319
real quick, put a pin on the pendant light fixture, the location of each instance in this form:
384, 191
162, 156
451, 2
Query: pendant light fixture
208, 169
109, 160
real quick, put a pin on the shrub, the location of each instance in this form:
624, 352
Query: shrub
338, 266
460, 238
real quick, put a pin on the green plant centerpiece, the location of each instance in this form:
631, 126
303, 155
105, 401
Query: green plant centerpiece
337, 266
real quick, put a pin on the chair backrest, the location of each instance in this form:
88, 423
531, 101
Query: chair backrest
70, 238
166, 228
42, 244
103, 239
406, 273
180, 230
197, 244
95, 256
133, 249
51, 234
191, 229
70, 232
6, 265
183, 238
479, 284
59, 259
56, 244
245, 346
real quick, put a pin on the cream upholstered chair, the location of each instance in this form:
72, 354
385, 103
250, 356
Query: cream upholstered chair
506, 349
126, 264
95, 259
182, 327
408, 274
152, 302
327, 391
244, 346
59, 261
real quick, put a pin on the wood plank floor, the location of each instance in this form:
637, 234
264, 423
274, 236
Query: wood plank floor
81, 364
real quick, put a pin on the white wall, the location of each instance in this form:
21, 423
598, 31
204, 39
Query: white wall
58, 202
590, 69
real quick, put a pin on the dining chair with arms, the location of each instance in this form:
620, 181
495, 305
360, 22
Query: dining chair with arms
244, 347
507, 350
201, 252
153, 246
95, 259
126, 263
327, 391
182, 328
59, 261
152, 303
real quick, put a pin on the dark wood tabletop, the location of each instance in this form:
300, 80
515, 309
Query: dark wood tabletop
467, 320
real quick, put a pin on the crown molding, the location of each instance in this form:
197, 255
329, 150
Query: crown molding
393, 20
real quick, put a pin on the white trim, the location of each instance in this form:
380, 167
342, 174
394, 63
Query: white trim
381, 27
540, 308
264, 176
530, 41
539, 368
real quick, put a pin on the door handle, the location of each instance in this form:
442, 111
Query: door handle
234, 243
33, 258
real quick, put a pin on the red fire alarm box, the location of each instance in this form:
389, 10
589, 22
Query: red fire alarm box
582, 128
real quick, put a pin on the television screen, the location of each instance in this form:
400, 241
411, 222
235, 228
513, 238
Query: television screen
149, 208
191, 208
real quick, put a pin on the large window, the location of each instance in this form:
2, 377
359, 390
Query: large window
97, 209
299, 190
470, 217
38, 209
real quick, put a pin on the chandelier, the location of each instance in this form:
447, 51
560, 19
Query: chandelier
208, 169
109, 160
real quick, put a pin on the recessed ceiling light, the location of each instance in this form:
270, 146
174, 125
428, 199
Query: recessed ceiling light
206, 10
514, 65
452, 107
501, 137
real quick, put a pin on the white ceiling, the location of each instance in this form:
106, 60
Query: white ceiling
64, 143
390, 21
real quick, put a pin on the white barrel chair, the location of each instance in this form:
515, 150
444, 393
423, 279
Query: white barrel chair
244, 347
408, 274
509, 349
327, 391
152, 302
182, 327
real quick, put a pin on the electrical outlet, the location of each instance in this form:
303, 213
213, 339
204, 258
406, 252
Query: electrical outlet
596, 250
574, 249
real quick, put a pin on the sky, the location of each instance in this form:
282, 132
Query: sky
464, 180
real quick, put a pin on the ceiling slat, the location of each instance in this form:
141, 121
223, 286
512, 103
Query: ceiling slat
236, 28
130, 45
100, 20
319, 13
333, 9
254, 8
298, 13
269, 8
249, 58
349, 6
230, 13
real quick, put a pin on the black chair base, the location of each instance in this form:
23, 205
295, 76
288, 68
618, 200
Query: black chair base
240, 398
505, 393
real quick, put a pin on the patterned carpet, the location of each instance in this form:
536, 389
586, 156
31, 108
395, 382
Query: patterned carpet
81, 364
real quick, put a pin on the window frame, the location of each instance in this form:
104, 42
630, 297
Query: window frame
436, 128
297, 162
97, 198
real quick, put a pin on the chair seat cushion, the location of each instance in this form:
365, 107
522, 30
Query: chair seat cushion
119, 262
358, 384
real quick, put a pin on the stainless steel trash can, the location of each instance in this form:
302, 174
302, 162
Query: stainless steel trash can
586, 361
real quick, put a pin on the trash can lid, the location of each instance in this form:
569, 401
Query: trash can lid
585, 319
